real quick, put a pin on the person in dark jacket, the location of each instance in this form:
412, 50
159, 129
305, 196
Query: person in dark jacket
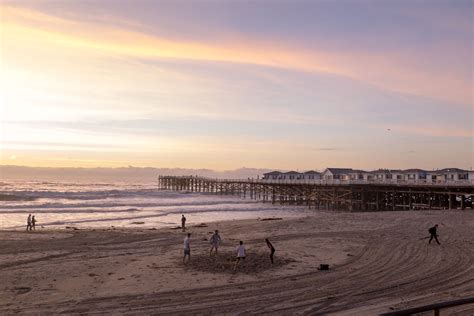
183, 223
434, 234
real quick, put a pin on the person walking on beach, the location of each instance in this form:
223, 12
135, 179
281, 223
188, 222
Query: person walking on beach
183, 223
28, 223
272, 249
33, 223
240, 254
215, 241
187, 247
434, 234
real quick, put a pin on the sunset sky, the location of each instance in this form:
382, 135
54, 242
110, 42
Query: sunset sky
226, 84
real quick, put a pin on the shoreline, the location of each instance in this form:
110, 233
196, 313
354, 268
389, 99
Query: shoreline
376, 264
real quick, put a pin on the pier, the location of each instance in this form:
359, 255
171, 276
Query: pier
334, 194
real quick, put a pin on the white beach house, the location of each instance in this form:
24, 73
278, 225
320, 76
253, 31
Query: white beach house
311, 175
274, 175
290, 175
337, 174
358, 175
388, 175
414, 174
455, 174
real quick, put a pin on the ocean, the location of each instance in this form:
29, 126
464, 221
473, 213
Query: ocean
59, 204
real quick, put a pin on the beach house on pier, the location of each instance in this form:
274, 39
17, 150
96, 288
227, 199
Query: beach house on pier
311, 175
291, 175
274, 175
414, 174
387, 174
337, 174
435, 176
358, 175
455, 174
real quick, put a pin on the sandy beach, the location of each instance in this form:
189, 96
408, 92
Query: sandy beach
378, 263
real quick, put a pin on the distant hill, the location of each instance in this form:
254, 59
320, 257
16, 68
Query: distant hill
134, 174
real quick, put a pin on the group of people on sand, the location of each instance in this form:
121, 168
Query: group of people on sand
215, 242
31, 223
216, 239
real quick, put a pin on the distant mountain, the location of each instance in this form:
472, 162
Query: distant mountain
131, 173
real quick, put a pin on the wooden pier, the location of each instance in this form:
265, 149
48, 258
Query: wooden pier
333, 195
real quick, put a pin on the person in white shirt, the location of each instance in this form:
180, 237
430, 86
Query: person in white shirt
187, 247
240, 254
215, 242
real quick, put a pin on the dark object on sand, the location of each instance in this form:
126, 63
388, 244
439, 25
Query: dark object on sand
138, 223
272, 219
70, 227
323, 266
201, 225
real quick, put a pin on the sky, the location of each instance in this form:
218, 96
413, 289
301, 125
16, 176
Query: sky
227, 84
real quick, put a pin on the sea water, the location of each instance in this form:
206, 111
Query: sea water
93, 205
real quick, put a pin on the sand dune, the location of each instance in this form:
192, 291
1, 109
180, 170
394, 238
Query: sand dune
377, 264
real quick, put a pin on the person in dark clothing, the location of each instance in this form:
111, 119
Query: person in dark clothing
434, 234
28, 223
183, 223
272, 249
33, 223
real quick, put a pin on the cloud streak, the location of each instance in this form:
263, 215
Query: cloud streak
390, 71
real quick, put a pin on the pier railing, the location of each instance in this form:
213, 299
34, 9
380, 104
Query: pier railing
436, 308
420, 182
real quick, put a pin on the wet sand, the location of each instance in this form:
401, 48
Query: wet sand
377, 264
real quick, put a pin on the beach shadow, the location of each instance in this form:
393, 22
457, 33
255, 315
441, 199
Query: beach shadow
255, 262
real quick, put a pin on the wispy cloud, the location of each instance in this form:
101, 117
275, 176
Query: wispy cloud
391, 71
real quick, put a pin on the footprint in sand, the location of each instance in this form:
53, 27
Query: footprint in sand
22, 290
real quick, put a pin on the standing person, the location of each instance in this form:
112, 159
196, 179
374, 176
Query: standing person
28, 223
240, 254
272, 249
33, 223
434, 234
187, 247
215, 241
183, 222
